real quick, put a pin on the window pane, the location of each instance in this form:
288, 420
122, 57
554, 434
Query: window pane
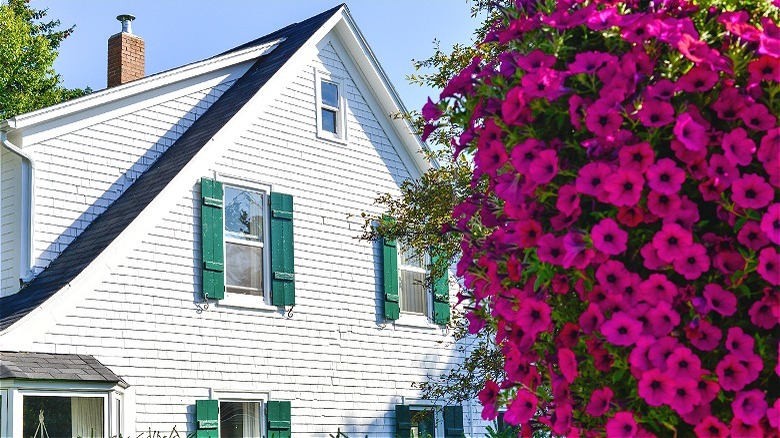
243, 214
423, 425
413, 296
239, 419
244, 268
330, 94
328, 120
62, 416
407, 257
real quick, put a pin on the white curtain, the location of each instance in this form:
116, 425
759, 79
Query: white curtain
251, 419
86, 417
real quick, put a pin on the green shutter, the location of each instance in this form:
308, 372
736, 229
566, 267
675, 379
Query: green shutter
453, 421
390, 272
403, 421
441, 296
213, 265
207, 416
279, 419
282, 261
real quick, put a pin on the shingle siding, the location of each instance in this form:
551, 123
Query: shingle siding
340, 367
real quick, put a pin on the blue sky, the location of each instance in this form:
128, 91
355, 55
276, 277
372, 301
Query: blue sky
178, 32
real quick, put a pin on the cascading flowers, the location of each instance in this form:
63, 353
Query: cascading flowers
623, 233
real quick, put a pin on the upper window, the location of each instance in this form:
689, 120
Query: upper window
413, 291
247, 244
245, 248
331, 103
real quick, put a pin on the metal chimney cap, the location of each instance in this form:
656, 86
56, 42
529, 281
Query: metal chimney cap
125, 19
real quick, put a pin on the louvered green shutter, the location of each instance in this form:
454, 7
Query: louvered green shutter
282, 261
279, 419
453, 421
403, 421
441, 296
390, 273
207, 416
213, 264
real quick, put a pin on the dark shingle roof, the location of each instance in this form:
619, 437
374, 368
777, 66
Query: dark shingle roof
104, 229
47, 366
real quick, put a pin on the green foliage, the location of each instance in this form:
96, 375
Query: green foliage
28, 48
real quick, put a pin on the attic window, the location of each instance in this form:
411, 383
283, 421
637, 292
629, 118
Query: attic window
331, 106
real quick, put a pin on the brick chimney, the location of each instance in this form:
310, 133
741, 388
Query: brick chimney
125, 54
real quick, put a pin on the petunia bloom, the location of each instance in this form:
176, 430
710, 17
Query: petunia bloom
665, 177
751, 191
720, 300
599, 402
690, 133
671, 240
655, 387
522, 408
624, 188
608, 237
622, 424
769, 265
750, 406
770, 223
621, 329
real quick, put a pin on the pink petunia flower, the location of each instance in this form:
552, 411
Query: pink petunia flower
599, 402
544, 83
533, 315
656, 113
662, 319
525, 153
589, 62
765, 68
750, 406
708, 389
685, 395
743, 430
738, 147
491, 158
663, 205
488, 396
655, 387
591, 319
665, 177
636, 157
544, 167
661, 90
622, 424
704, 336
739, 344
692, 262
551, 249
730, 104
567, 362
722, 170
732, 374
591, 180
602, 119
690, 133
523, 407
612, 276
752, 236
514, 109
711, 427
683, 364
535, 60
608, 237
671, 240
697, 79
751, 191
770, 223
765, 313
660, 351
720, 300
769, 265
624, 188
568, 199
758, 117
621, 329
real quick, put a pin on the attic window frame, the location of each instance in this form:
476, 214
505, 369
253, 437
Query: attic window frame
340, 136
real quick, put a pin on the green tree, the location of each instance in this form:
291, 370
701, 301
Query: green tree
424, 207
28, 48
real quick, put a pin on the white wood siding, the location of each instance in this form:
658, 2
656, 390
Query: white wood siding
337, 362
81, 173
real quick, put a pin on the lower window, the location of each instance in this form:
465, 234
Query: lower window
423, 423
57, 416
240, 419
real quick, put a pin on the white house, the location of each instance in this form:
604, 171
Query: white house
179, 252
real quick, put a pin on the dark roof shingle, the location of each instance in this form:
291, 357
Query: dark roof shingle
49, 366
105, 228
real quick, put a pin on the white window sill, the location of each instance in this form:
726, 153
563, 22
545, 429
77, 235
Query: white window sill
246, 302
415, 320
328, 136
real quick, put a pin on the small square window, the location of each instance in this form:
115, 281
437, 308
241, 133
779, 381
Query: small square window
240, 419
245, 242
331, 104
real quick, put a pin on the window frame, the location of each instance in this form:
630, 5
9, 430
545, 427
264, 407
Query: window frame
412, 318
237, 299
340, 136
245, 397
13, 393
438, 417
